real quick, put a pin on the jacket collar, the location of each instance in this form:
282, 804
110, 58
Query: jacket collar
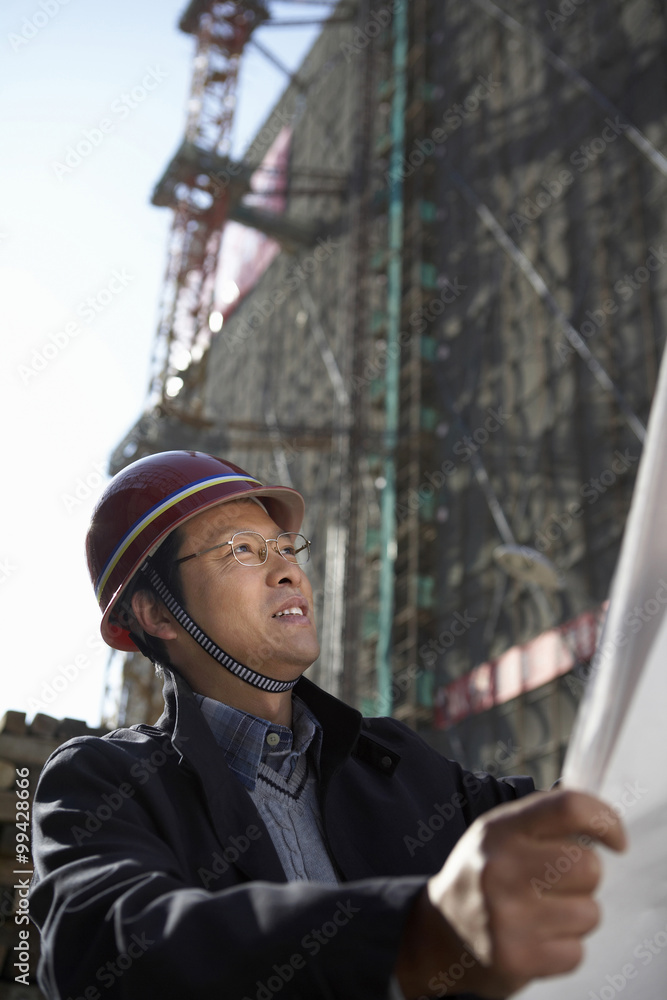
231, 809
182, 717
340, 725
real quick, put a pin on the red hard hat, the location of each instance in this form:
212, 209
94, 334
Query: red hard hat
151, 497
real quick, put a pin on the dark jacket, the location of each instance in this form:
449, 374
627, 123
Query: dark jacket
156, 878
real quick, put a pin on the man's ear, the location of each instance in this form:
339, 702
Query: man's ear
152, 615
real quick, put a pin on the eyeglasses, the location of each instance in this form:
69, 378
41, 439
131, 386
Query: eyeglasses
249, 548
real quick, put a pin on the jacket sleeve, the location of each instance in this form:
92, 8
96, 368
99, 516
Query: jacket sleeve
119, 919
478, 791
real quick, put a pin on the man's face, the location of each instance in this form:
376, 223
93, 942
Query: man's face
237, 605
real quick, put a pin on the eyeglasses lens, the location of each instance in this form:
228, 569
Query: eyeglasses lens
249, 548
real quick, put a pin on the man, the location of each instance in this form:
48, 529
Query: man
257, 841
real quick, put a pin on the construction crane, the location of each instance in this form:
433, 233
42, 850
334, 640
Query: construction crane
204, 187
222, 31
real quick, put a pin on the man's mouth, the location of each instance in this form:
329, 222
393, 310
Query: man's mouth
288, 611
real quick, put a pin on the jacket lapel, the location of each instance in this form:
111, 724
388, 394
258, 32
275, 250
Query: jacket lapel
230, 807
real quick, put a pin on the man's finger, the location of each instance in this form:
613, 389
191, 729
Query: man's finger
554, 958
565, 867
568, 813
568, 917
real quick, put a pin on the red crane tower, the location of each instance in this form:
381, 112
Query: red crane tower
199, 184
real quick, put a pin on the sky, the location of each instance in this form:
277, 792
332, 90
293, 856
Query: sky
82, 258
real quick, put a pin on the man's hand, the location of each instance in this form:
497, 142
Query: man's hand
514, 899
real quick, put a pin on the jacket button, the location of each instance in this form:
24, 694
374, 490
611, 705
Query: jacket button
386, 762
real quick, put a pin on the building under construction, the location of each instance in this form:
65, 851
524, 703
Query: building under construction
432, 297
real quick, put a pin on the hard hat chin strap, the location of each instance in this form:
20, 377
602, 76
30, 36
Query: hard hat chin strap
206, 643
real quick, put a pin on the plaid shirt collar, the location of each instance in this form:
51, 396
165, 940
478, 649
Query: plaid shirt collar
247, 740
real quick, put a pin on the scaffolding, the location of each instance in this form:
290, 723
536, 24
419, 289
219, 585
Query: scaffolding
396, 584
432, 315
